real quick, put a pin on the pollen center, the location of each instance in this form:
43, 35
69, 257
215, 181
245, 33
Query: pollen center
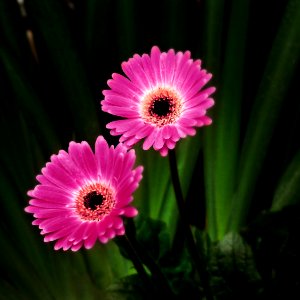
161, 106
94, 201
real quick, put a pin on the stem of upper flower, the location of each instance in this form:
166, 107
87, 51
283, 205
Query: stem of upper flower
199, 263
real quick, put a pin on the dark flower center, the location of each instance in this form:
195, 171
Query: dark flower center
93, 200
161, 107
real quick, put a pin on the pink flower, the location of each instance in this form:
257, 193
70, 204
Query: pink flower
82, 196
161, 100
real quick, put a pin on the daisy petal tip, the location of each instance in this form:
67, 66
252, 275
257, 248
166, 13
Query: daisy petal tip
146, 146
155, 48
120, 231
30, 193
140, 169
100, 139
130, 212
89, 245
103, 239
208, 121
28, 209
164, 152
75, 248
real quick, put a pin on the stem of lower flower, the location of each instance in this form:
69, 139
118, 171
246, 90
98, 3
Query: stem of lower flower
199, 263
134, 257
156, 285
161, 283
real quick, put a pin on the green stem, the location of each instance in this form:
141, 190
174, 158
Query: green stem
199, 263
140, 257
161, 283
136, 260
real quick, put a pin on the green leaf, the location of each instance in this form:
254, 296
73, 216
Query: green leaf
154, 237
233, 269
280, 68
213, 29
127, 288
151, 194
105, 264
180, 273
227, 116
288, 190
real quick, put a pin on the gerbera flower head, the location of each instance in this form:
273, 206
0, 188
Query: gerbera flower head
161, 99
83, 196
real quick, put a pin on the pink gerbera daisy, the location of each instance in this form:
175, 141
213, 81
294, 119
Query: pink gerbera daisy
161, 100
82, 196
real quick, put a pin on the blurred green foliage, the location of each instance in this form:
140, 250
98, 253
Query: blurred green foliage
240, 176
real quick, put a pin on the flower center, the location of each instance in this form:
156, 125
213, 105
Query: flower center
161, 106
94, 201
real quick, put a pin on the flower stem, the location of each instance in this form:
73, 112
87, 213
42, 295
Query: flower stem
157, 285
199, 263
161, 283
126, 244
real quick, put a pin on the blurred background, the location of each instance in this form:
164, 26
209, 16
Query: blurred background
240, 176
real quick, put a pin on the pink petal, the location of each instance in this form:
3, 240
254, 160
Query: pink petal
111, 233
59, 177
101, 152
164, 151
170, 66
103, 239
77, 246
135, 72
120, 231
123, 86
159, 142
118, 223
78, 232
130, 211
46, 204
150, 139
155, 60
170, 144
83, 157
125, 112
50, 194
149, 69
92, 237
206, 120
59, 244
